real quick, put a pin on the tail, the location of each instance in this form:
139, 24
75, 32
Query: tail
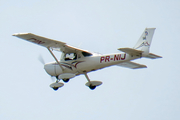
143, 45
144, 41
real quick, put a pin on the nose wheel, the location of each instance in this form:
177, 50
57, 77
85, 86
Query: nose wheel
55, 86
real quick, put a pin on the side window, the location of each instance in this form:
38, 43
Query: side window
86, 54
70, 56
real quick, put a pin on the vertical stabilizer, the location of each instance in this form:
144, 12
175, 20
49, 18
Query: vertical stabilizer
144, 41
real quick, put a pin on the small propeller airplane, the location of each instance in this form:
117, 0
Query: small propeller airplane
75, 61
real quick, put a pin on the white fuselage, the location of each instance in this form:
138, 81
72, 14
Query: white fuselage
87, 64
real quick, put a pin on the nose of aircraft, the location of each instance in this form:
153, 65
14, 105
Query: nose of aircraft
50, 69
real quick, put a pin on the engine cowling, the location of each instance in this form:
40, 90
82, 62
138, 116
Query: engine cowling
53, 69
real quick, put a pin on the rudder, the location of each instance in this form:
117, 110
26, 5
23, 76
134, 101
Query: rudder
145, 40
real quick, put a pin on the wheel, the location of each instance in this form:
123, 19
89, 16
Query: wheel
66, 80
92, 87
55, 88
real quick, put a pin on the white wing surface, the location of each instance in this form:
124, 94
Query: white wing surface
131, 65
48, 43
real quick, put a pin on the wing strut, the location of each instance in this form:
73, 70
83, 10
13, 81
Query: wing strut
55, 59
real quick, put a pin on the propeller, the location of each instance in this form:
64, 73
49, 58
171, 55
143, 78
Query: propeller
41, 59
53, 78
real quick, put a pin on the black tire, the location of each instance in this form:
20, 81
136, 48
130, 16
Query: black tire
92, 87
55, 88
66, 80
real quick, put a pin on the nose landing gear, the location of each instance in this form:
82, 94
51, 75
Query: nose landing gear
56, 85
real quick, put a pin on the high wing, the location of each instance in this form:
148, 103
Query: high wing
49, 43
131, 65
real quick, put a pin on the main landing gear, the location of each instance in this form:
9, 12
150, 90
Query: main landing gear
65, 80
92, 84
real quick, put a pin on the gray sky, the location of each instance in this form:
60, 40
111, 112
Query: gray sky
100, 26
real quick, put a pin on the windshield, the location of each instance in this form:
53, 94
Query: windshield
70, 56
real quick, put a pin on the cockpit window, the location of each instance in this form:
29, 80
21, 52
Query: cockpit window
70, 56
86, 54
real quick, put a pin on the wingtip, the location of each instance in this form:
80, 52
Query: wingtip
17, 34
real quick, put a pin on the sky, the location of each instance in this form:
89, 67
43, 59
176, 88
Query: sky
100, 26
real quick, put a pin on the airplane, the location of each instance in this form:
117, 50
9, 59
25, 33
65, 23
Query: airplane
75, 61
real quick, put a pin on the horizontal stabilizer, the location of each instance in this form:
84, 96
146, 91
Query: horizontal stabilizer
153, 56
130, 51
131, 65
